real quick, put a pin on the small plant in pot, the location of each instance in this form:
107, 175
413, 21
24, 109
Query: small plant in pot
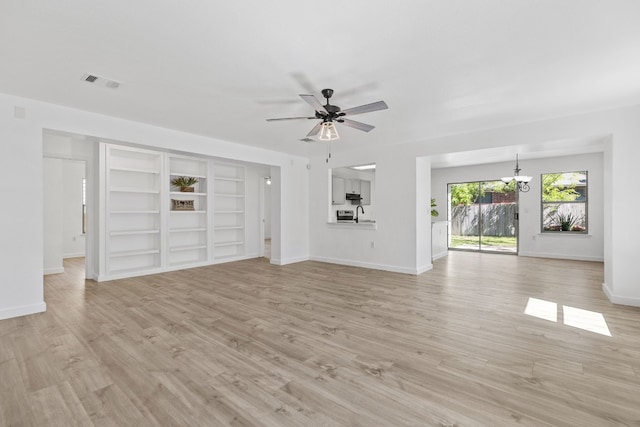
185, 183
568, 222
434, 212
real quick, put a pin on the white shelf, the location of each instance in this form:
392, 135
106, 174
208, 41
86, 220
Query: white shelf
184, 193
226, 178
134, 253
230, 227
134, 212
119, 169
187, 174
228, 195
229, 212
187, 248
187, 212
186, 230
133, 232
133, 190
137, 271
222, 244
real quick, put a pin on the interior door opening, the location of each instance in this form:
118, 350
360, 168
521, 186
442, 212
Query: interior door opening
483, 216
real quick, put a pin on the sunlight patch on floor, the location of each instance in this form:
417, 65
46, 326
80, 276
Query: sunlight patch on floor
587, 320
542, 309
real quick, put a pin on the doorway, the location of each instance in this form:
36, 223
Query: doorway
483, 216
265, 217
65, 213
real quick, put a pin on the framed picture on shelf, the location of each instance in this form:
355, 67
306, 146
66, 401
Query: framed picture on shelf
182, 205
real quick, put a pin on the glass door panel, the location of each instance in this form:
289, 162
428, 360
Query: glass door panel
464, 216
498, 210
483, 216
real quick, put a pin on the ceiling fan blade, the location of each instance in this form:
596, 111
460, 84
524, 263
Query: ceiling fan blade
313, 101
356, 125
315, 130
374, 106
289, 118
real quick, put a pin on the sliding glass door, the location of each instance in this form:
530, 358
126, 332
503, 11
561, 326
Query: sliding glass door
483, 216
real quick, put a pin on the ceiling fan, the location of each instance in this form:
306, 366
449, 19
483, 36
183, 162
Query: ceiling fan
330, 114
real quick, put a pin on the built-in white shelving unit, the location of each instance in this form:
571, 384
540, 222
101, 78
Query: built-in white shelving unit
147, 225
188, 229
133, 225
229, 215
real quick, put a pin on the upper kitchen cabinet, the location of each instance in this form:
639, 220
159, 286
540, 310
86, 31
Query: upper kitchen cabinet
365, 192
352, 185
337, 190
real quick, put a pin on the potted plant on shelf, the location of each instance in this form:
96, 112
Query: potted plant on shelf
185, 183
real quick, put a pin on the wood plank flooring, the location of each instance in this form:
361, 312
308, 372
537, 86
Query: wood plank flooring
313, 344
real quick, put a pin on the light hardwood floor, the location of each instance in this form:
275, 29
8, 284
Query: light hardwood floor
249, 343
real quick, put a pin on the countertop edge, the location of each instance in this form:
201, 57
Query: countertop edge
353, 225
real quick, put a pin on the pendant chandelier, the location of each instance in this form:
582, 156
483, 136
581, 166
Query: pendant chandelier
522, 181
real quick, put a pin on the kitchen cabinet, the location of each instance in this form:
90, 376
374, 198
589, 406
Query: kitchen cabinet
439, 239
352, 186
337, 190
365, 192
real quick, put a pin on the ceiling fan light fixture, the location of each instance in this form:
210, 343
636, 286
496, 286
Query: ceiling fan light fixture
328, 132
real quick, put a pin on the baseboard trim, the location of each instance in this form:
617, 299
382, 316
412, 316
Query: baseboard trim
73, 255
561, 256
618, 299
440, 255
24, 310
424, 269
56, 270
372, 266
286, 261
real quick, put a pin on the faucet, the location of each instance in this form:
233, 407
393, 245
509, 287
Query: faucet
359, 207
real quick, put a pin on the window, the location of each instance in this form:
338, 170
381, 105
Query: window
564, 202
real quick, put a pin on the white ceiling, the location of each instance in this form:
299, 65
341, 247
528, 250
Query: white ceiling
221, 68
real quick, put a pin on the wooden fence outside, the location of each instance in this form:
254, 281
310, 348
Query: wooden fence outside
497, 220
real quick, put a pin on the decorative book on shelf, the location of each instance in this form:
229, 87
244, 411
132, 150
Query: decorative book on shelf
182, 205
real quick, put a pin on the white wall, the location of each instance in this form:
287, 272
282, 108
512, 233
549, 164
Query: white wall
395, 247
21, 154
21, 228
73, 239
53, 221
395, 235
533, 243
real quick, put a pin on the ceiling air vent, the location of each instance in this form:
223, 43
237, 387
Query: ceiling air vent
100, 81
306, 140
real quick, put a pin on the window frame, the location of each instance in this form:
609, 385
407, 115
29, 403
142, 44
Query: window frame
584, 202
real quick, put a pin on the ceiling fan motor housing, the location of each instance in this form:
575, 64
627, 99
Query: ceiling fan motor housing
327, 93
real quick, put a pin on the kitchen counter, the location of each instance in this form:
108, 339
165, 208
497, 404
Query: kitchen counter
362, 225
